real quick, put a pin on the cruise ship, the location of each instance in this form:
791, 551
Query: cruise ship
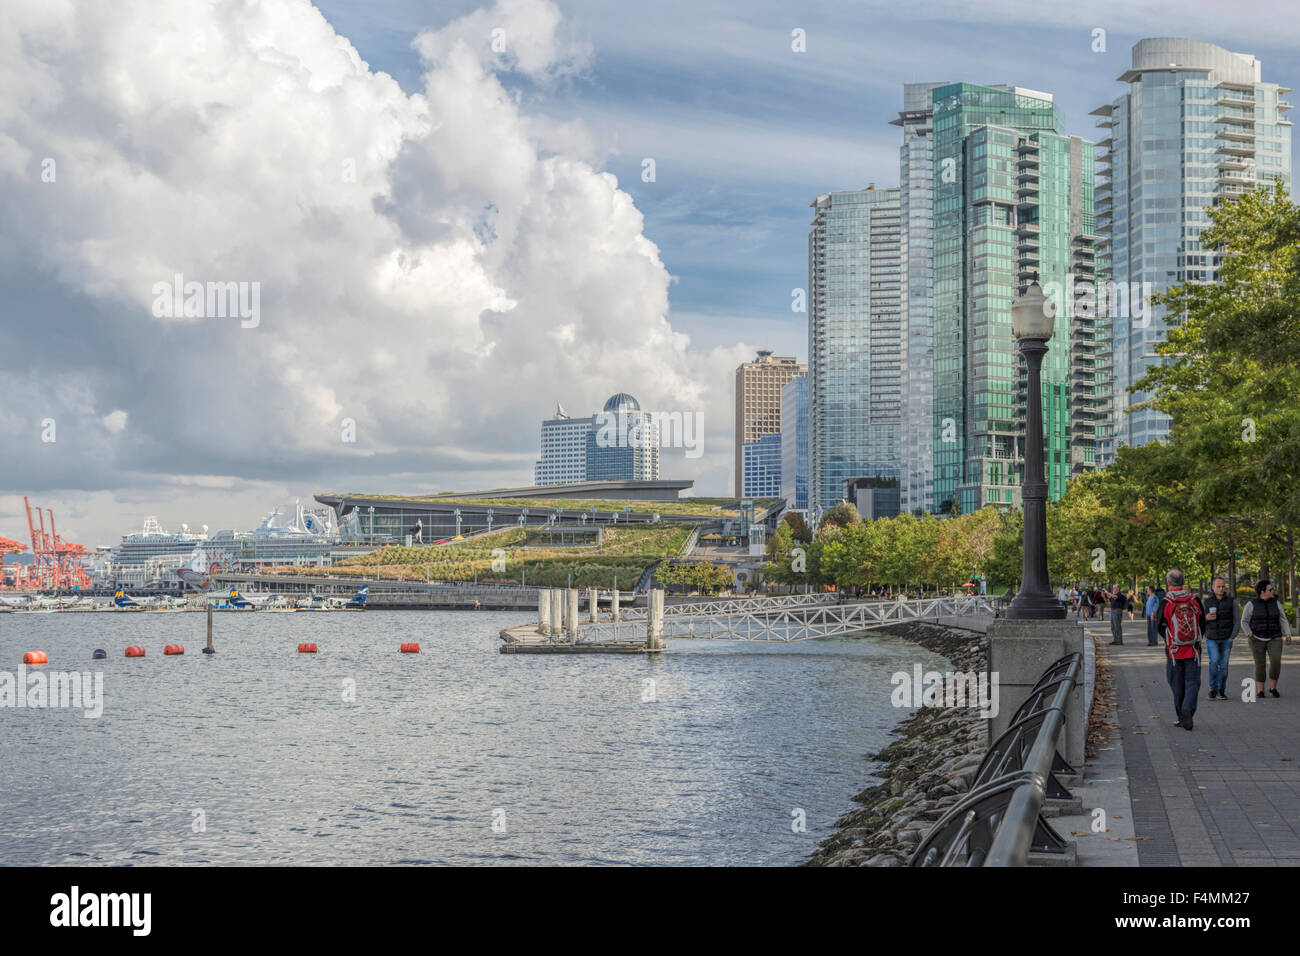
155, 557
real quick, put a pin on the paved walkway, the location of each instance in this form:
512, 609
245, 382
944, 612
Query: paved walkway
1224, 794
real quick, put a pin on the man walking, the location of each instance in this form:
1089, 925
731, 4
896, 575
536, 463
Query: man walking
1149, 612
1220, 628
1181, 622
1118, 599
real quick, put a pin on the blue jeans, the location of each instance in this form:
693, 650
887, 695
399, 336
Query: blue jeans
1152, 634
1184, 676
1219, 651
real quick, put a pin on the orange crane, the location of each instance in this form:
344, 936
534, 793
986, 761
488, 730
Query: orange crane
10, 575
56, 564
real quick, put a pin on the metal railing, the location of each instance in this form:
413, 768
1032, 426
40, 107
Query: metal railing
1000, 820
795, 618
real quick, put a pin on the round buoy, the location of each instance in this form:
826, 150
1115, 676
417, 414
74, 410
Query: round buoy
35, 657
173, 649
410, 648
306, 648
135, 650
99, 654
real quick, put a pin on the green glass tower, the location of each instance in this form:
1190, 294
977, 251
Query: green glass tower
1012, 203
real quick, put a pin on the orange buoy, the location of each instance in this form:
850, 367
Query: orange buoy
135, 650
172, 649
35, 657
410, 648
306, 648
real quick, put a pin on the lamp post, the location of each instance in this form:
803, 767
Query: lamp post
1033, 316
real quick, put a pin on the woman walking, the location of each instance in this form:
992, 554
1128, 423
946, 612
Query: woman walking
1264, 621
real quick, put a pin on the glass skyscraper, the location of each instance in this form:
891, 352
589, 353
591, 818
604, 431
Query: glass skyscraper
794, 443
854, 341
761, 463
1013, 202
916, 262
1196, 127
619, 443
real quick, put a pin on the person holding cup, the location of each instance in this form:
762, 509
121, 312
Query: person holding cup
1221, 627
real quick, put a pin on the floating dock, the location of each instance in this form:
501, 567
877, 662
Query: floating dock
557, 629
526, 639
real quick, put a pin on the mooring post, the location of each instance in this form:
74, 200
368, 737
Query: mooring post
209, 649
655, 620
573, 613
613, 604
593, 601
543, 611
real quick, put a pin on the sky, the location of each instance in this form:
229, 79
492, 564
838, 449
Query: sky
445, 214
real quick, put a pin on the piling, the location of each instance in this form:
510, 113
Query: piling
571, 618
654, 639
209, 649
613, 604
593, 605
543, 611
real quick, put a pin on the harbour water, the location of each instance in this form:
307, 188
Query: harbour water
457, 755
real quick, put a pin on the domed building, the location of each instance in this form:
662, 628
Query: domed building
618, 443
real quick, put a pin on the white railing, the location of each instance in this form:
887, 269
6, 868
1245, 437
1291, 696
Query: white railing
784, 620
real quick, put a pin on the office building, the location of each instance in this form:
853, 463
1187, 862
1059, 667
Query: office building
794, 443
854, 341
758, 404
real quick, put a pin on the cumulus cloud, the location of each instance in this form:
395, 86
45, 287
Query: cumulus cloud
438, 267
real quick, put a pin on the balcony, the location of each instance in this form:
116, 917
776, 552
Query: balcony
1238, 101
1237, 149
1236, 119
1238, 134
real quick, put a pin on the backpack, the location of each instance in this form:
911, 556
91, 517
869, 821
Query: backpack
1183, 626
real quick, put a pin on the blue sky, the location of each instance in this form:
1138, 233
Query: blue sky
745, 132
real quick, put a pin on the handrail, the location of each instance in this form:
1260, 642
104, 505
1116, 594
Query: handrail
999, 821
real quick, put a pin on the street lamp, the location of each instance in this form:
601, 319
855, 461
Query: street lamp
1033, 316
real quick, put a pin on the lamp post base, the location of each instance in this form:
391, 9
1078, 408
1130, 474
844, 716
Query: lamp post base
1035, 607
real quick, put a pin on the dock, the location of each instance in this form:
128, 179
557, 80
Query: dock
559, 626
527, 639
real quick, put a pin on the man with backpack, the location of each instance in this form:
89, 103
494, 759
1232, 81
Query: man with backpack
1181, 622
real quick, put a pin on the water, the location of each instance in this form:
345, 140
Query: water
561, 749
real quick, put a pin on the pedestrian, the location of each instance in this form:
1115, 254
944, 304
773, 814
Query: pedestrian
1152, 605
1076, 601
1118, 599
1130, 605
1264, 620
1221, 626
1181, 622
1085, 601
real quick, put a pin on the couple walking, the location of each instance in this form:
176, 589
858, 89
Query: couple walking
1186, 622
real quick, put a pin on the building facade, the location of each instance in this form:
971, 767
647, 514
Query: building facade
762, 467
564, 449
1013, 202
794, 443
916, 265
758, 403
618, 443
854, 341
1196, 126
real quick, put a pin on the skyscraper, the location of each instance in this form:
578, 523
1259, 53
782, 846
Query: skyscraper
618, 443
1196, 126
916, 264
854, 341
762, 467
758, 403
1012, 203
794, 443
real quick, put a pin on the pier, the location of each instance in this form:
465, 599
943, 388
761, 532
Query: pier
563, 627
